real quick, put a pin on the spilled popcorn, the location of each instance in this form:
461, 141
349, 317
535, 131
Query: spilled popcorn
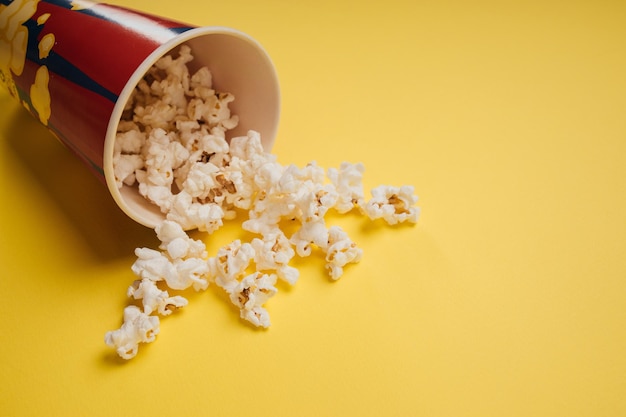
171, 144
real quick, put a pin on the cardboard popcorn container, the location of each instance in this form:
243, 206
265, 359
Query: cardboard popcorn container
74, 64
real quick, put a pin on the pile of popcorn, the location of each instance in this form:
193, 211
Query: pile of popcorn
171, 144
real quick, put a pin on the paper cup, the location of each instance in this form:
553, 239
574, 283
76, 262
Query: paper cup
74, 64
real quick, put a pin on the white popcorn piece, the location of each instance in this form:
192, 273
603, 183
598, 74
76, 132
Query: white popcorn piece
153, 265
255, 169
171, 78
191, 272
313, 206
189, 132
171, 91
348, 184
179, 274
177, 248
310, 233
230, 263
239, 194
340, 252
297, 180
267, 173
201, 179
125, 166
250, 294
138, 327
274, 252
204, 147
213, 143
393, 204
315, 201
267, 212
160, 195
247, 147
207, 183
194, 215
155, 299
159, 158
158, 115
176, 67
129, 141
219, 113
202, 80
179, 154
176, 243
126, 124
126, 154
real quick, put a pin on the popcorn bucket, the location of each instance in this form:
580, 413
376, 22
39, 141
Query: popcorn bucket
74, 64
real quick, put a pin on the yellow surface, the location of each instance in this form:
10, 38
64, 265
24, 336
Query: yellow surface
507, 299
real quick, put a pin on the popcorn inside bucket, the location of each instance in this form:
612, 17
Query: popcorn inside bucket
239, 67
175, 147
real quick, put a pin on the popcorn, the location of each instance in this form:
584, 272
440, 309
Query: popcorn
250, 294
313, 201
130, 140
230, 263
125, 168
201, 180
153, 265
176, 243
169, 99
138, 327
194, 215
172, 146
310, 233
154, 299
347, 181
179, 274
393, 204
263, 219
274, 252
298, 180
340, 252
247, 148
190, 272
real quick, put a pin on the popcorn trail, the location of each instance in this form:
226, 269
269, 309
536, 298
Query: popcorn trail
171, 144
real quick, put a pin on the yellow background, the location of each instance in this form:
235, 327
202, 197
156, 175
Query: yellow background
507, 299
